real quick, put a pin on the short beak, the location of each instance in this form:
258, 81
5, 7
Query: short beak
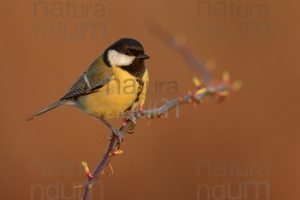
143, 56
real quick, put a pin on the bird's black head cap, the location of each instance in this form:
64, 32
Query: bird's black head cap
128, 46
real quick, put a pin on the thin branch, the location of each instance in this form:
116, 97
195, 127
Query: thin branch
207, 88
220, 90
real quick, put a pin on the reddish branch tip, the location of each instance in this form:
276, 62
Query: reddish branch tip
117, 152
141, 108
87, 171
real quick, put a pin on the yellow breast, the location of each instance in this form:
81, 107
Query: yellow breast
113, 99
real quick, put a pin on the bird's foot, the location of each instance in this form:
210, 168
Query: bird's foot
118, 133
130, 118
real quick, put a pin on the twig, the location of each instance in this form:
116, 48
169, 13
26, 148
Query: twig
207, 88
221, 90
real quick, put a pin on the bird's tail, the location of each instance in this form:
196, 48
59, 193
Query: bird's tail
48, 108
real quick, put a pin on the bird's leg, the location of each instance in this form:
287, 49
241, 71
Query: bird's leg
115, 131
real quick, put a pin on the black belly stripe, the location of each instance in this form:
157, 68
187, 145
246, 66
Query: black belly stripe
140, 89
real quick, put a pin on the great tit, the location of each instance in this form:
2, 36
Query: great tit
116, 82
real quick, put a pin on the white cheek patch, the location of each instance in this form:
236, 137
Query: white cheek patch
119, 59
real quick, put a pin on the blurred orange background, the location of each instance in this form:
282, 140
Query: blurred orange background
45, 48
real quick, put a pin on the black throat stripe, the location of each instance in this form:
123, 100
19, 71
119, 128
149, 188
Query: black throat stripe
140, 90
137, 68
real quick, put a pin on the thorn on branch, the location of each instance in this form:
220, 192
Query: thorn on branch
106, 138
77, 186
148, 122
110, 169
160, 115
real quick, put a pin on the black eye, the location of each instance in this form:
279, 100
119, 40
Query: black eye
130, 52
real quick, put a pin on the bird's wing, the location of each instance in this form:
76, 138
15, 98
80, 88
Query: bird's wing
97, 75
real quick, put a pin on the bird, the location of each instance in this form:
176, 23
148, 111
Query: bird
114, 84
